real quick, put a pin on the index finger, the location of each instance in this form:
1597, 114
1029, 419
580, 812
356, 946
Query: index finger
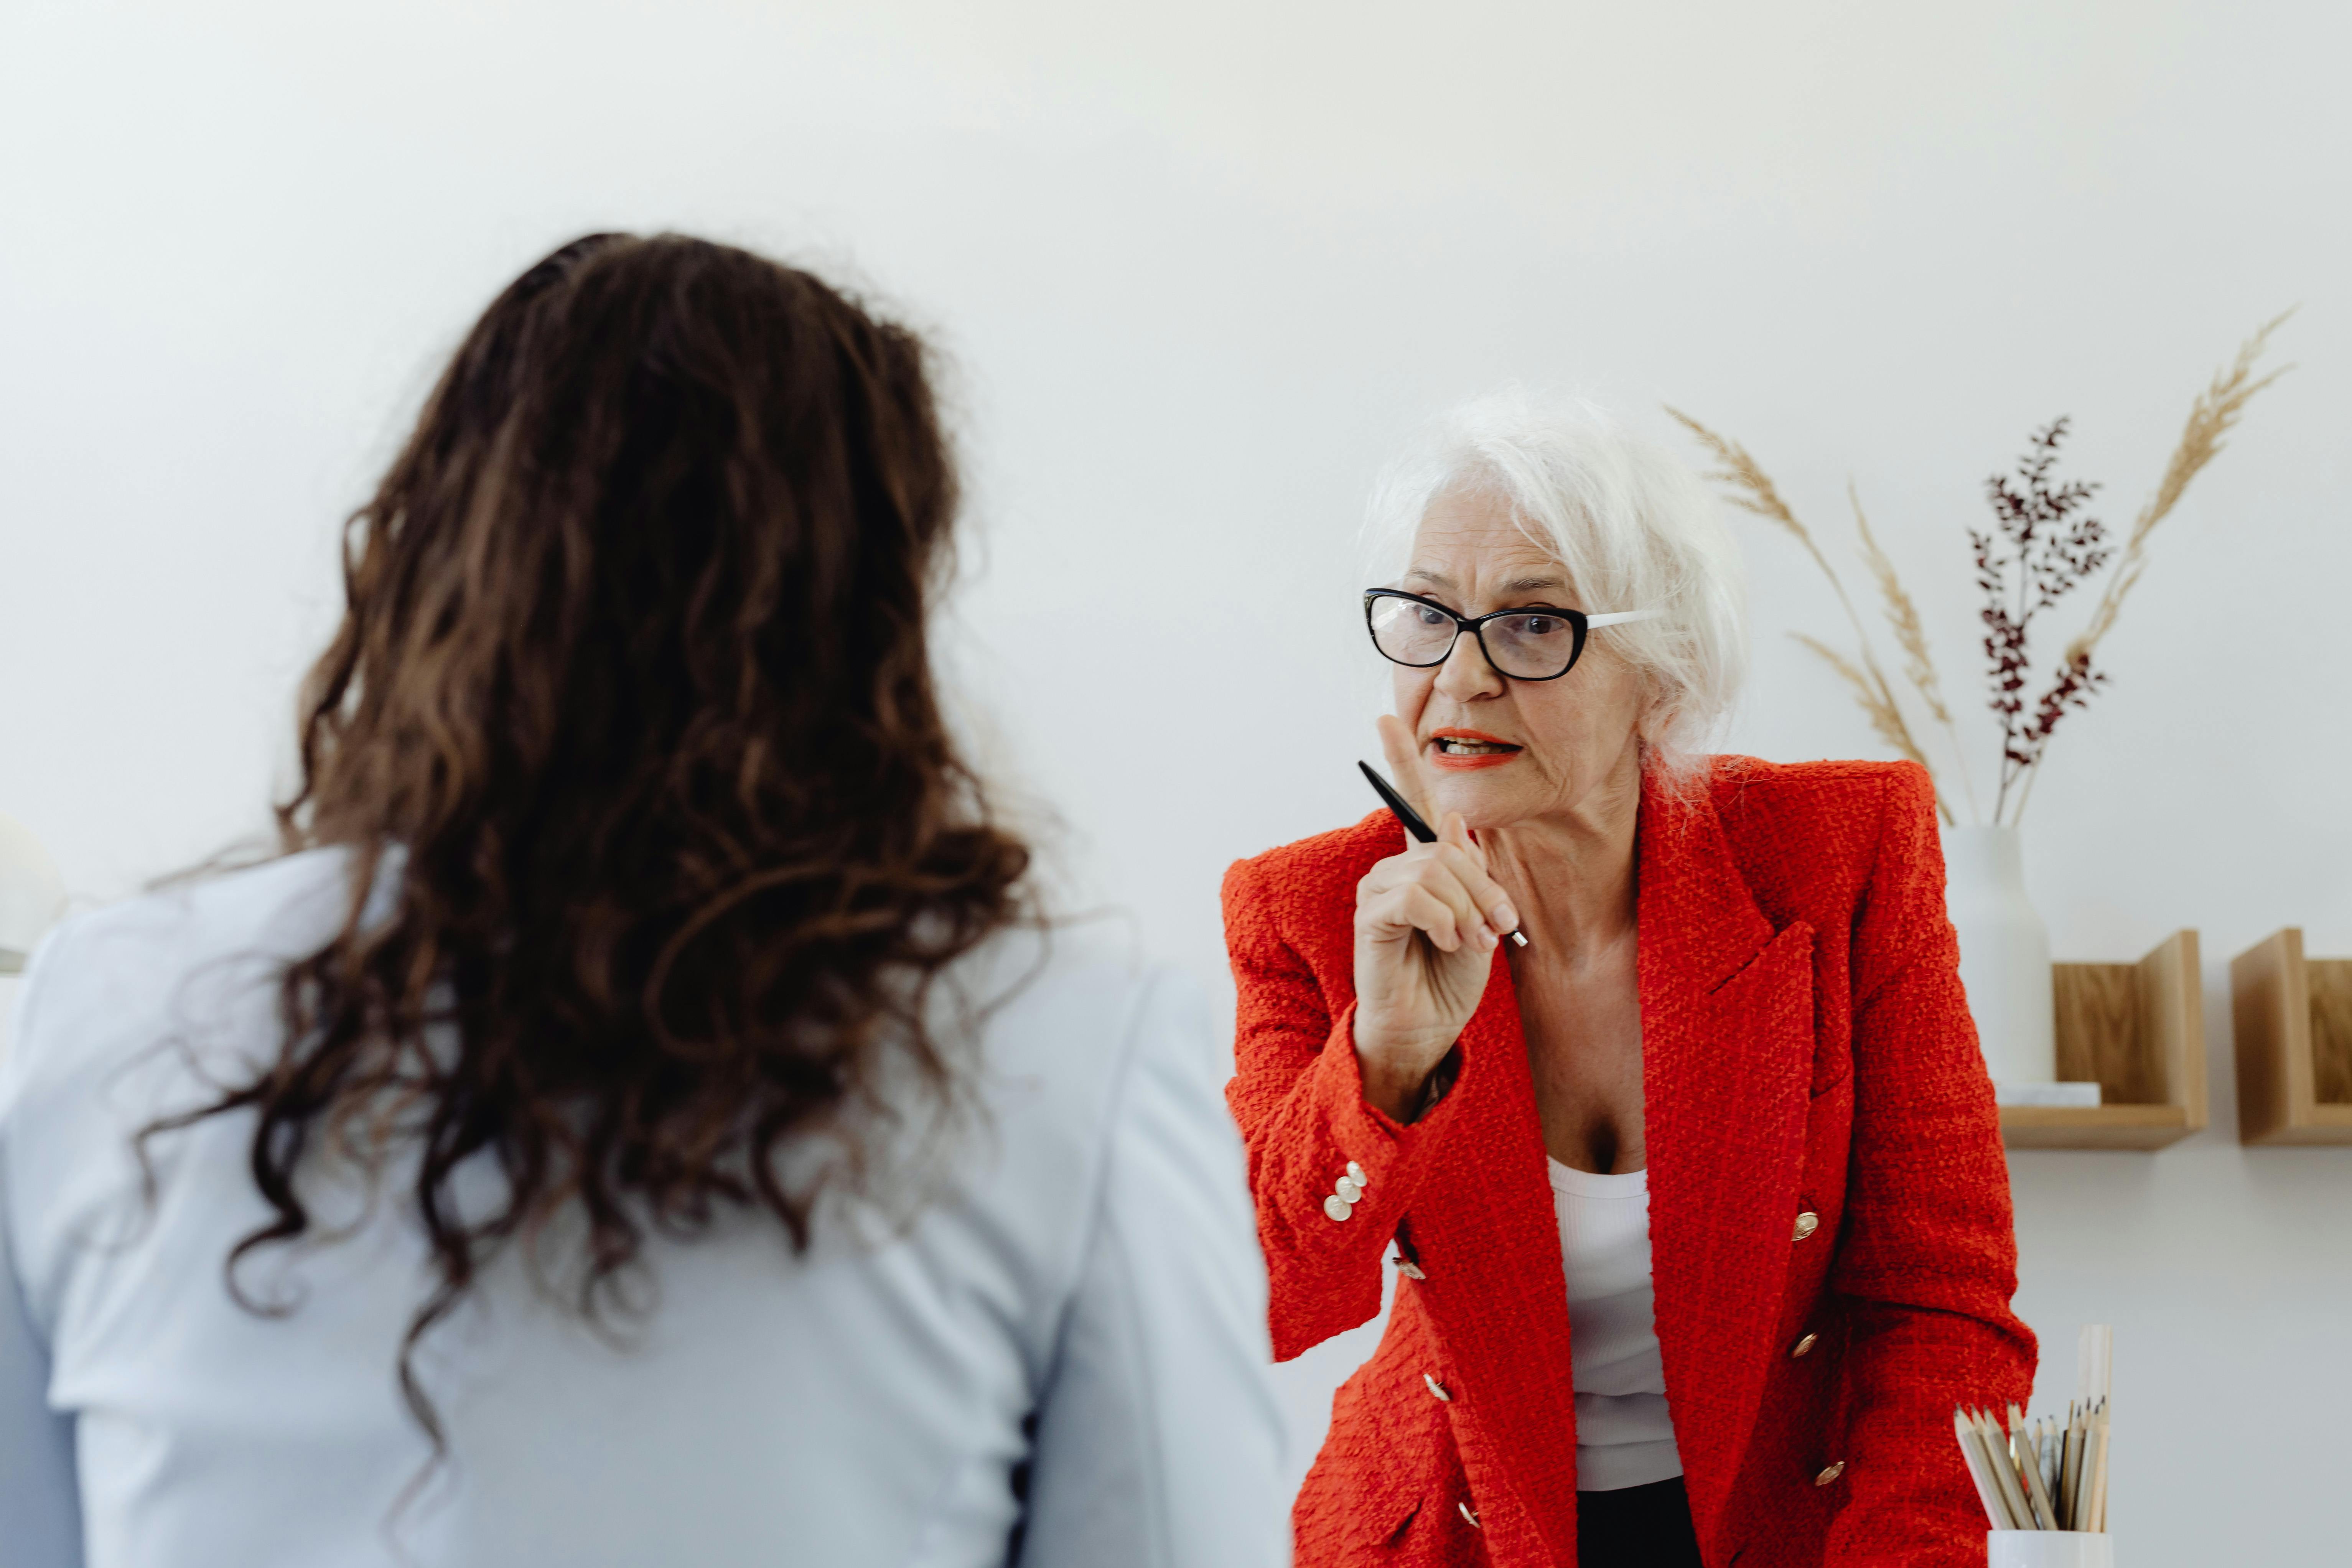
1485, 892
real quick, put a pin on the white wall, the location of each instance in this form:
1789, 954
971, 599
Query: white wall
1200, 266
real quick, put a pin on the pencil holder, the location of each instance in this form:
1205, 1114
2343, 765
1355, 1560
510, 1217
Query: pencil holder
2049, 1549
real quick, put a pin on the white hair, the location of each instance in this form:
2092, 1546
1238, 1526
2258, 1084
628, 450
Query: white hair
1634, 528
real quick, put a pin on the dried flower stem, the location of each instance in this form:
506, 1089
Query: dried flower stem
1751, 489
1911, 636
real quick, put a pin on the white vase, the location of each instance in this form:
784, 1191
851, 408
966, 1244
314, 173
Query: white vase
2004, 954
32, 896
2050, 1549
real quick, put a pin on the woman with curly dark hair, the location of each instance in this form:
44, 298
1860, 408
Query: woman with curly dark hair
641, 1119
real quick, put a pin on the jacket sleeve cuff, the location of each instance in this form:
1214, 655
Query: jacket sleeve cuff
1355, 1122
1324, 1247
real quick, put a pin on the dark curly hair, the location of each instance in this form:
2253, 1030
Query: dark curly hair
630, 728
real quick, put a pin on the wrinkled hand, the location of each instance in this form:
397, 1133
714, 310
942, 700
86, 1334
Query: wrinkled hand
1426, 925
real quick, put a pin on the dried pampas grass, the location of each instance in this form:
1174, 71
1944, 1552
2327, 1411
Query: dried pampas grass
1884, 717
1911, 637
1750, 489
2210, 417
1902, 614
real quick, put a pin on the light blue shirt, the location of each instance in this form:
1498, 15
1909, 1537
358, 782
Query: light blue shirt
1075, 1254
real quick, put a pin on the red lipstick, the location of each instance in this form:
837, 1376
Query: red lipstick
1470, 749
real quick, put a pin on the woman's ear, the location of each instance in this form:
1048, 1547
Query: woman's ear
1658, 715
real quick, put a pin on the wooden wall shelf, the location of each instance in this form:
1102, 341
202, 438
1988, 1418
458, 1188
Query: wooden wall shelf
2139, 1030
2293, 1018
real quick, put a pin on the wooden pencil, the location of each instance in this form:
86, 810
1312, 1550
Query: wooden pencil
1979, 1468
2023, 1455
2004, 1473
2098, 1521
2070, 1471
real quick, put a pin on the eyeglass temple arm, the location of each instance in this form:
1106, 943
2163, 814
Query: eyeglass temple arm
1619, 618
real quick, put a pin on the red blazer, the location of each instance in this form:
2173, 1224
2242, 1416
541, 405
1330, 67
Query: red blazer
1829, 1206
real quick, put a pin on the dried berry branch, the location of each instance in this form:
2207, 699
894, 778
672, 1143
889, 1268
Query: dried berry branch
2052, 550
1751, 489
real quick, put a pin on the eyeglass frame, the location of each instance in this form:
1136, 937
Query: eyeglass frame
1476, 625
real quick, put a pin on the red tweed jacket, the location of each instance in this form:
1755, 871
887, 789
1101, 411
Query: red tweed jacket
1830, 1214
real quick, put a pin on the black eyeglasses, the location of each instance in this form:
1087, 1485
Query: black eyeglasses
1540, 644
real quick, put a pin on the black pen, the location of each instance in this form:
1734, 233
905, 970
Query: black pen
1410, 817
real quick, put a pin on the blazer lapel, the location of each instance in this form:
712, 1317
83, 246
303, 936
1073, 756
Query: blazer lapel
1726, 1048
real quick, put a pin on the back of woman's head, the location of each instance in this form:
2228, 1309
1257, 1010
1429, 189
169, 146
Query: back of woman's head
630, 725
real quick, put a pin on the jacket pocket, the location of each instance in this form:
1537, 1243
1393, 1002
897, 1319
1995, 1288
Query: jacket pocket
1382, 1468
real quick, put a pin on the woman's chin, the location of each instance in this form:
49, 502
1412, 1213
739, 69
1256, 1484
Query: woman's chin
1485, 799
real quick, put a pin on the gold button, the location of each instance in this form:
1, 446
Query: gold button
1801, 1346
1437, 1388
1410, 1269
1338, 1207
1348, 1191
1470, 1516
1808, 1223
1356, 1174
1832, 1473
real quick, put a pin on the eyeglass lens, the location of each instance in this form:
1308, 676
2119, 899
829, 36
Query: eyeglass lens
1533, 646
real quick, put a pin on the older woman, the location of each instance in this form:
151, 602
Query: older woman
1696, 1198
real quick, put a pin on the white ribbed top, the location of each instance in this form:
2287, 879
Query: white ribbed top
1625, 1437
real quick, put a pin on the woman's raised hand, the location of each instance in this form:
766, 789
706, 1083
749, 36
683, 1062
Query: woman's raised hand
1426, 925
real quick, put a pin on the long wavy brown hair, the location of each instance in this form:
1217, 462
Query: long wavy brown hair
658, 840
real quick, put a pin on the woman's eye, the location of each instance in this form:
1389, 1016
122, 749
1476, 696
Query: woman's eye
1430, 617
1541, 626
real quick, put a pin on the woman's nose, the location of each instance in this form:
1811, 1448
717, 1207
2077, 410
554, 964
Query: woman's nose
1465, 674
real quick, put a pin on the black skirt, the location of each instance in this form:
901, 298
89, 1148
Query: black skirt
1636, 1527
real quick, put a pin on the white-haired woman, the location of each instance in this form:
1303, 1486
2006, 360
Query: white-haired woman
1696, 1198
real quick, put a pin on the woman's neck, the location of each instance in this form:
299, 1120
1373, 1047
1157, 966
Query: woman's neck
1571, 873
